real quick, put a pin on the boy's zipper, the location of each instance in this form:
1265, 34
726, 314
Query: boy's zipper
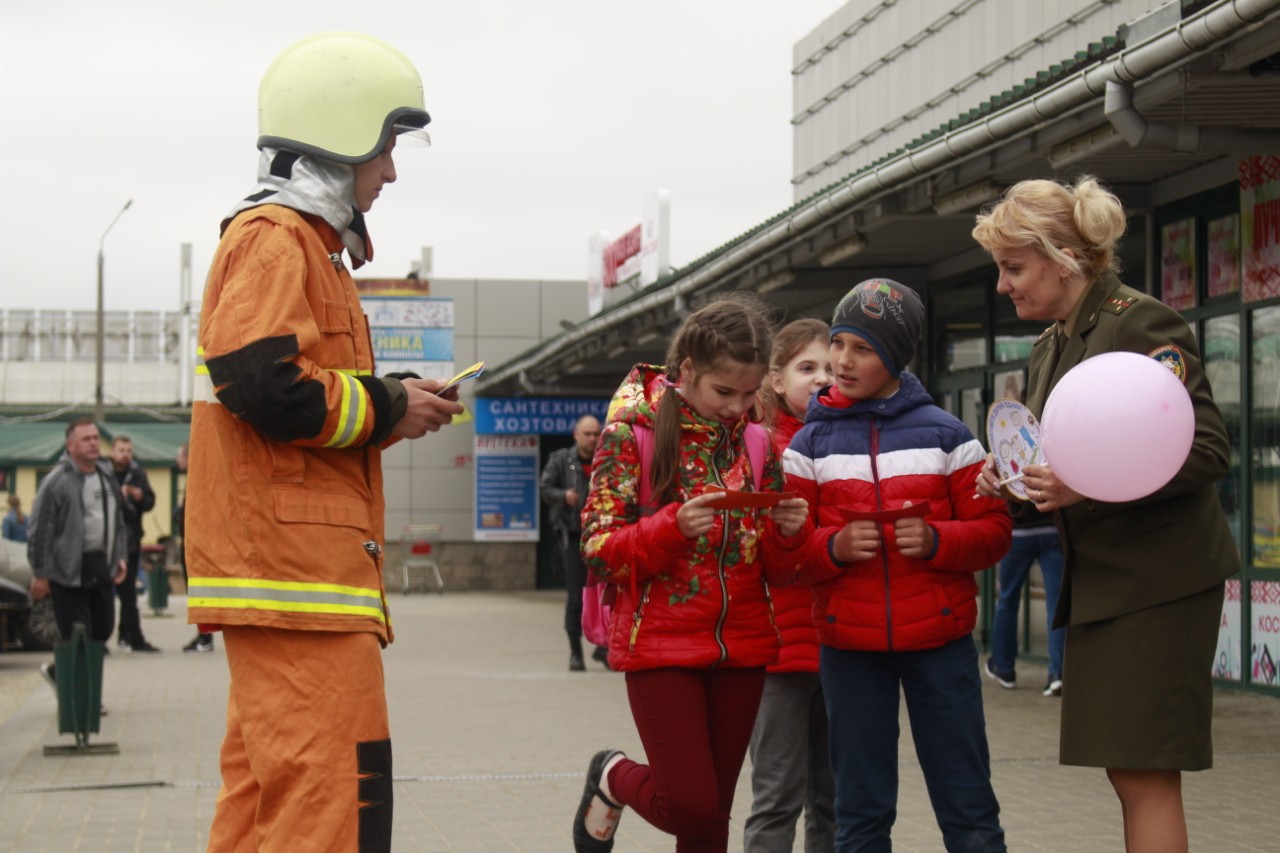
884, 551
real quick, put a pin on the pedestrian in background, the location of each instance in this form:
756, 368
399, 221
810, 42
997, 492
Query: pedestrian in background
284, 531
77, 540
564, 484
895, 595
1035, 539
15, 521
139, 498
691, 625
790, 764
1144, 580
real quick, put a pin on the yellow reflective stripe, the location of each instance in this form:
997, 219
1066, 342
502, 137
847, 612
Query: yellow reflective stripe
352, 371
202, 369
286, 607
285, 596
350, 413
289, 586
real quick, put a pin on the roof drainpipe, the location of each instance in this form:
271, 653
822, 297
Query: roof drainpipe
1137, 131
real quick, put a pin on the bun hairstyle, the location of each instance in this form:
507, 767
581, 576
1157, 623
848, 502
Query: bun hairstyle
1051, 216
733, 328
787, 344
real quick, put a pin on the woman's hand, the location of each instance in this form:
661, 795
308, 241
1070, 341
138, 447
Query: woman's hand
988, 483
790, 515
695, 518
1046, 491
857, 540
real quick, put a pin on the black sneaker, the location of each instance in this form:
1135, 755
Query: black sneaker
584, 841
576, 664
1053, 687
1007, 680
201, 643
142, 646
601, 654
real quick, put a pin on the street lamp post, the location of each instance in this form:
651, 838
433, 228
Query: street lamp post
99, 411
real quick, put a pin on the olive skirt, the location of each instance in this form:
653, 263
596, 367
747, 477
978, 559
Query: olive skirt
1137, 690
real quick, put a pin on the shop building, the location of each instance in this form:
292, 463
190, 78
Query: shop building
909, 117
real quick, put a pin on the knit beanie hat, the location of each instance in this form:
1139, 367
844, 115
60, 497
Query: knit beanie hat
888, 315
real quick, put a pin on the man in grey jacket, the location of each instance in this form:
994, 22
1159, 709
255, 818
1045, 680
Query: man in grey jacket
77, 541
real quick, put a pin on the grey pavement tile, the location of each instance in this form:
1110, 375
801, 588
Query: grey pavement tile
492, 736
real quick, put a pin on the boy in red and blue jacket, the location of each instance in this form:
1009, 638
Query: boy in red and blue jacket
898, 536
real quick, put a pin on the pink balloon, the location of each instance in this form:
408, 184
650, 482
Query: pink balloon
1117, 427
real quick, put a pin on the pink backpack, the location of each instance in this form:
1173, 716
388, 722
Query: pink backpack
598, 596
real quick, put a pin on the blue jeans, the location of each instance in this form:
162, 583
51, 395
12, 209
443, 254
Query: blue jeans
943, 690
1014, 569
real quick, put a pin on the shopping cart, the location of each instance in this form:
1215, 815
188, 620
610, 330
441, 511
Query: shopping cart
418, 561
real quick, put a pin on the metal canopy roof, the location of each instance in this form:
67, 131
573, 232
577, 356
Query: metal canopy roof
1217, 67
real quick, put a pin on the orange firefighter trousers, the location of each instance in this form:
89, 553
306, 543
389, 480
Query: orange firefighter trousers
306, 763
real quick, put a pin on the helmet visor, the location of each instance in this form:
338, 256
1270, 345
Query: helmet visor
411, 136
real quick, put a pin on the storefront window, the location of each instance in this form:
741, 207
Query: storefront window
1264, 658
958, 320
1224, 255
1226, 661
1178, 264
1222, 366
1265, 427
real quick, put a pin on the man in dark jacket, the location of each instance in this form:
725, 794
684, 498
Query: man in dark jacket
565, 482
138, 498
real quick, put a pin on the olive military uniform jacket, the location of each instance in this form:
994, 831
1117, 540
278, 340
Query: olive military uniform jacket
1125, 557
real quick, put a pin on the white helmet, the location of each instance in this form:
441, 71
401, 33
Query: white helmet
339, 96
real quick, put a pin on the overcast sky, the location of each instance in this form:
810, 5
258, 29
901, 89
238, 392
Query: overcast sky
550, 120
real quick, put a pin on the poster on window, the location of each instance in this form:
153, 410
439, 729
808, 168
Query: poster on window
1226, 661
1178, 264
1260, 227
1224, 255
1265, 615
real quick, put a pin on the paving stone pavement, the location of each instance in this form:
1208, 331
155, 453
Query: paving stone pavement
492, 735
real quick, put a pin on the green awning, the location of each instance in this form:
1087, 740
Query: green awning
32, 443
153, 444
41, 443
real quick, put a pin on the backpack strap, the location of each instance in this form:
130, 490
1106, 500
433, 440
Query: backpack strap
757, 441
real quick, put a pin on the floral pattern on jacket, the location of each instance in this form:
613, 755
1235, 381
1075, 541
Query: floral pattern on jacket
695, 603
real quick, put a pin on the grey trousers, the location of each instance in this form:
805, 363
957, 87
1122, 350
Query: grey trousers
791, 768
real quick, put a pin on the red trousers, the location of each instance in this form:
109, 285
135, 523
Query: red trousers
695, 726
306, 763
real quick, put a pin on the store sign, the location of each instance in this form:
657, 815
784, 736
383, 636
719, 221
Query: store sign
534, 415
506, 471
1260, 227
641, 256
411, 334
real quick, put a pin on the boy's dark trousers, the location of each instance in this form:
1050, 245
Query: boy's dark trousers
943, 690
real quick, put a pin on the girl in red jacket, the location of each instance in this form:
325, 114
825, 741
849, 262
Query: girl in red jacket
790, 769
899, 535
691, 630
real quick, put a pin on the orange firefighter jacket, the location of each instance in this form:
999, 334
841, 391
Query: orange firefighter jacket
284, 519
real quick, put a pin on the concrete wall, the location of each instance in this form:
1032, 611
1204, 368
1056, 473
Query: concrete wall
879, 73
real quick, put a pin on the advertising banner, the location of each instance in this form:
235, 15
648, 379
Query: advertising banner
1260, 227
411, 334
506, 469
534, 415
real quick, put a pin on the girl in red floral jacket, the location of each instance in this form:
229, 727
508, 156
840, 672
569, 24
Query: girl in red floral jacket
790, 770
692, 628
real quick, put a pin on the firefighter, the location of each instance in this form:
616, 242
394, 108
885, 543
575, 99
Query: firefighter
284, 524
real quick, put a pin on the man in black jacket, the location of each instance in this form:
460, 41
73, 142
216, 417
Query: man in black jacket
565, 482
138, 498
